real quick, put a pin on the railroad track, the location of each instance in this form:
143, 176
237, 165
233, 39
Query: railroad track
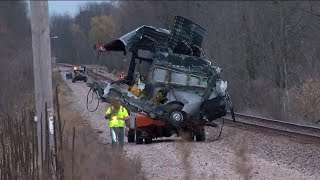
266, 125
97, 76
277, 127
90, 72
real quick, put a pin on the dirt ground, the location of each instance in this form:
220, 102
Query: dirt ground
238, 154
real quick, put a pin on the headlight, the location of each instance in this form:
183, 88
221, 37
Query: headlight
221, 87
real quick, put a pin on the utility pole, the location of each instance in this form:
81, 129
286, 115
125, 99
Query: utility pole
43, 81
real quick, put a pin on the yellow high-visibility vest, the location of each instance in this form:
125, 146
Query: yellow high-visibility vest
118, 119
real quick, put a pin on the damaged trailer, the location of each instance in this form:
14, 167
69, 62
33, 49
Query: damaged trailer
171, 85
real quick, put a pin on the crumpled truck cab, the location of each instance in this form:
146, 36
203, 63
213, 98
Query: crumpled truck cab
191, 87
174, 80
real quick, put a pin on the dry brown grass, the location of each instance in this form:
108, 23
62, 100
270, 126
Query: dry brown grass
243, 166
79, 155
184, 146
185, 151
83, 156
307, 100
18, 146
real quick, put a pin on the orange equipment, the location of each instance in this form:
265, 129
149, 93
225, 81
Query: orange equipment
144, 121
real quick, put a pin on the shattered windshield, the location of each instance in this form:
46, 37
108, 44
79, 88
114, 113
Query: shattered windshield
179, 78
159, 75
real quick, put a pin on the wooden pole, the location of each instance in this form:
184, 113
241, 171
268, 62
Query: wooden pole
42, 79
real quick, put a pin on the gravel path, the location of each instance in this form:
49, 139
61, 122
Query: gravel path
239, 154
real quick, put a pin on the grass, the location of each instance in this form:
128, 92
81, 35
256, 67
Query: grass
79, 155
243, 164
84, 157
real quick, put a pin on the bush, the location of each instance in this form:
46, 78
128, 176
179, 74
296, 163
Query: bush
79, 155
307, 98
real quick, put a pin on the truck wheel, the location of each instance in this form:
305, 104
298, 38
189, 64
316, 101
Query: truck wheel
73, 80
200, 135
148, 140
177, 117
85, 79
138, 139
131, 135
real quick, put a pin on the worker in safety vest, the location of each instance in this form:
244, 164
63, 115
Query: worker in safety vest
117, 116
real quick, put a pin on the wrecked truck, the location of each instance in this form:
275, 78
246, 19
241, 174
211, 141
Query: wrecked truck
170, 83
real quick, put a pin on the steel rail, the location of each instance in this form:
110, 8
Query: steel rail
276, 126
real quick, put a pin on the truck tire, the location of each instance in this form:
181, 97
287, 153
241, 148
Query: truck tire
177, 117
200, 135
85, 79
73, 80
139, 140
148, 140
131, 135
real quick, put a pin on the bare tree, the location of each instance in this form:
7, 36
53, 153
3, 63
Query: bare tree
265, 48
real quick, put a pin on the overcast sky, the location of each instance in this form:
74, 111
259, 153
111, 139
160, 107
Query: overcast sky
61, 7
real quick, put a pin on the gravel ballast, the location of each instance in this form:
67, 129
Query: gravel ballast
238, 154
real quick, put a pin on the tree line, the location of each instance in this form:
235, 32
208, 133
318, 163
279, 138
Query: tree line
268, 50
16, 70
